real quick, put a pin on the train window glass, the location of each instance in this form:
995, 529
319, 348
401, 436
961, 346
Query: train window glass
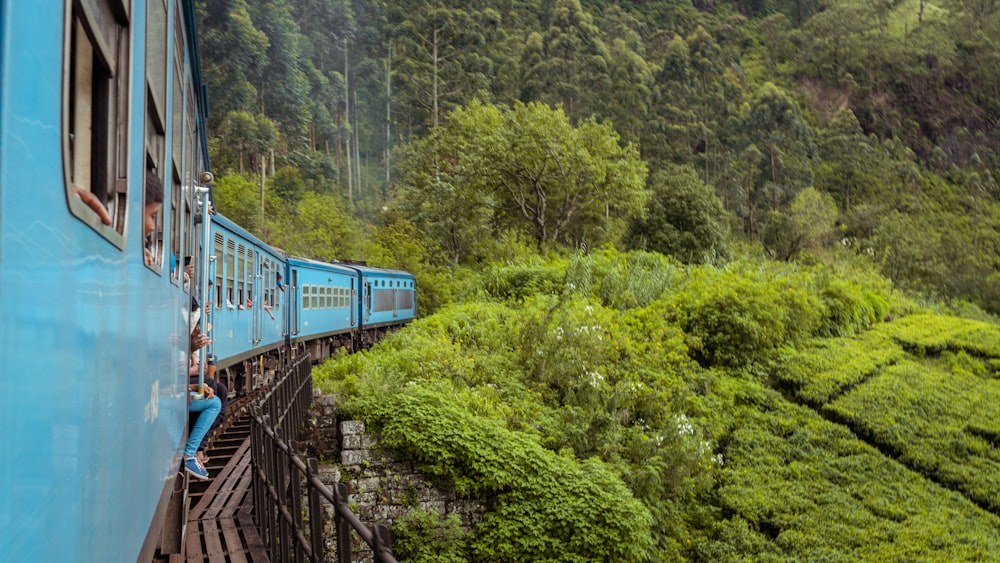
250, 274
95, 101
230, 271
305, 296
240, 273
277, 293
314, 298
265, 279
156, 57
177, 104
329, 297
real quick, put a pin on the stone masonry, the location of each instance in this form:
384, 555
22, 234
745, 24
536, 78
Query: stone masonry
382, 485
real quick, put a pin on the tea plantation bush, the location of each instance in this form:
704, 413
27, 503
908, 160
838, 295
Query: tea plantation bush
826, 366
797, 487
620, 407
926, 413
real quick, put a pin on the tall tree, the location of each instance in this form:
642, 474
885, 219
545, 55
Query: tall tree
683, 218
775, 128
234, 56
577, 61
437, 66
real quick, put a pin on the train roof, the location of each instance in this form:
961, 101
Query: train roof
364, 269
243, 233
298, 260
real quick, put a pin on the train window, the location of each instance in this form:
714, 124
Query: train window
152, 241
240, 273
95, 103
249, 271
219, 241
329, 297
177, 104
230, 271
191, 167
305, 296
176, 266
156, 57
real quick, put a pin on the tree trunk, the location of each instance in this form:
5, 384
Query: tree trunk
347, 120
388, 112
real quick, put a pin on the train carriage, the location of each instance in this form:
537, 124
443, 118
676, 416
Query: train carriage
96, 96
247, 305
325, 312
388, 300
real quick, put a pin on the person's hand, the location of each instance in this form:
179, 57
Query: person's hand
92, 201
199, 341
209, 392
150, 259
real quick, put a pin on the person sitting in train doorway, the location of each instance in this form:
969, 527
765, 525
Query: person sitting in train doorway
209, 405
219, 389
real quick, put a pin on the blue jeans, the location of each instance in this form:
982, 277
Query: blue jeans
207, 410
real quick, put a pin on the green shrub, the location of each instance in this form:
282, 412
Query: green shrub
735, 319
924, 412
518, 282
850, 308
818, 372
547, 507
799, 488
423, 536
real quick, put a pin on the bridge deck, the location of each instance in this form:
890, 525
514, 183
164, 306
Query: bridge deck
220, 527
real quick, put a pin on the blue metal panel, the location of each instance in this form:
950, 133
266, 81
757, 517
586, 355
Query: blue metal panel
389, 296
233, 332
322, 320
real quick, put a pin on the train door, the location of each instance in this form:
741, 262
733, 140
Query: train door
294, 306
367, 302
353, 299
257, 298
395, 300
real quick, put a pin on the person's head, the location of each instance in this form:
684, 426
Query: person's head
154, 199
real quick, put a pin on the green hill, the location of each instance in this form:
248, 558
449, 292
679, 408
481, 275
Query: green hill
624, 407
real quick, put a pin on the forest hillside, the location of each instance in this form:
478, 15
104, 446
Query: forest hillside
888, 111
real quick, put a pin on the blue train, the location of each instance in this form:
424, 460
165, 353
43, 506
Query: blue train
96, 96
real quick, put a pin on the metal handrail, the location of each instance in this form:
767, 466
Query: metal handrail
277, 484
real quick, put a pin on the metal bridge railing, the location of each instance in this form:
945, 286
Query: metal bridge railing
279, 474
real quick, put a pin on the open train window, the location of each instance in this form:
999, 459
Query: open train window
155, 126
95, 106
176, 264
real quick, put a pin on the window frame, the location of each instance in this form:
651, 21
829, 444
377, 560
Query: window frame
103, 29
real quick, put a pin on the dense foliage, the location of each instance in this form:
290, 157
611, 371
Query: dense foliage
818, 127
755, 410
